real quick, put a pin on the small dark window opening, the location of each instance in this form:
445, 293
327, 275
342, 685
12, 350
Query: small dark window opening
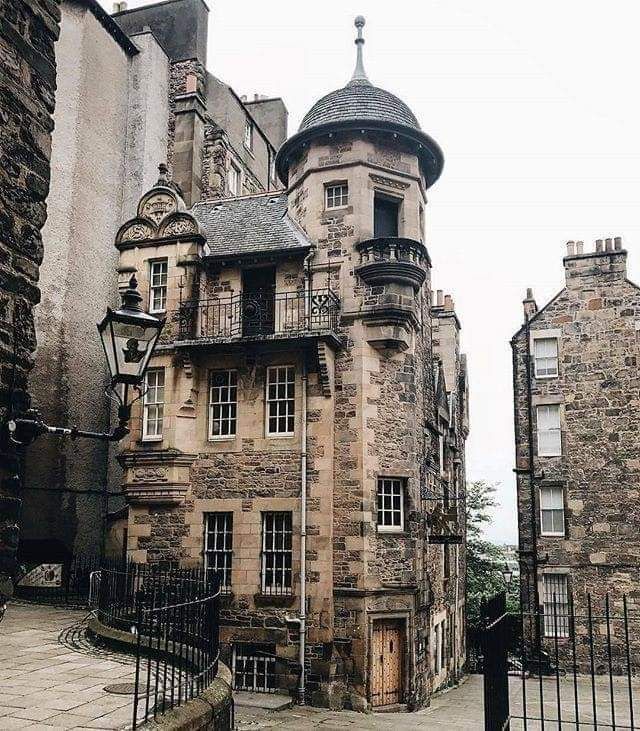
386, 213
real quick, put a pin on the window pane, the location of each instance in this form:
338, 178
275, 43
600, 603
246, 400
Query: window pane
153, 403
281, 400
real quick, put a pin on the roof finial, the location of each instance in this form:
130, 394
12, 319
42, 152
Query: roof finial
359, 74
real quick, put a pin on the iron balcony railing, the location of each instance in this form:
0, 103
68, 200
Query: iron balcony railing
259, 314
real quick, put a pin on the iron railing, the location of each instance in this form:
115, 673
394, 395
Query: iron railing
174, 616
259, 314
575, 664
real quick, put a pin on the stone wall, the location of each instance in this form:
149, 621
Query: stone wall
596, 318
27, 86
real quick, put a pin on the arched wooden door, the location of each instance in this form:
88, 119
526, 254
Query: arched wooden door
387, 672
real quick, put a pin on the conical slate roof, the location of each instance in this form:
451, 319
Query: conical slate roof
361, 105
358, 101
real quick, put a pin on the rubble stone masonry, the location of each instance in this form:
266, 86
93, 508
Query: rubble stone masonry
28, 30
596, 321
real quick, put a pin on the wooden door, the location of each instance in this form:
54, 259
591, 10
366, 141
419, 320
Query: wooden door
387, 672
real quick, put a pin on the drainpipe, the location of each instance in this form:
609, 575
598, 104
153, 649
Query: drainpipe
302, 621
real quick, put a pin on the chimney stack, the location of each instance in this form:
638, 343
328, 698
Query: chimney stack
529, 305
448, 302
439, 298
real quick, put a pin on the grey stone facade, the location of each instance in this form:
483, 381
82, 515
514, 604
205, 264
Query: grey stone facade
27, 85
595, 459
155, 102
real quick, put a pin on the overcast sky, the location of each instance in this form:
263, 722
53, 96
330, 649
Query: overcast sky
536, 108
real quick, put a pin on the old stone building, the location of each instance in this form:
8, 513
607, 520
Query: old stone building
28, 31
133, 90
304, 426
578, 443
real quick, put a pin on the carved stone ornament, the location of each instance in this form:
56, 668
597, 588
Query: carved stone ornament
150, 474
181, 226
158, 206
137, 232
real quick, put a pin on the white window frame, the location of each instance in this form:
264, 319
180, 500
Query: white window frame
248, 134
158, 285
223, 398
154, 406
559, 584
234, 174
551, 492
543, 412
218, 529
392, 491
284, 407
274, 544
336, 195
539, 371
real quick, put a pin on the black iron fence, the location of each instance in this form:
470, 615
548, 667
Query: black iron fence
259, 314
573, 664
173, 615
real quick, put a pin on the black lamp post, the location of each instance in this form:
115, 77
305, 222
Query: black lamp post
507, 574
129, 336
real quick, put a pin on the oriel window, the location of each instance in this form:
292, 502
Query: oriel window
277, 553
223, 404
281, 385
153, 405
218, 547
158, 285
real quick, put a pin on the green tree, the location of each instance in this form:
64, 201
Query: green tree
485, 560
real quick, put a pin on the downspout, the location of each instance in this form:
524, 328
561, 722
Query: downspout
303, 491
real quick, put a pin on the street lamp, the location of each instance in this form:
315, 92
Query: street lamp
507, 574
129, 336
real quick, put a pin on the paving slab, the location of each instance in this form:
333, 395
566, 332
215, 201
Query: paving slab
52, 677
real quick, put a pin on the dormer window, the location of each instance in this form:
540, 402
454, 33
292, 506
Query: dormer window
336, 195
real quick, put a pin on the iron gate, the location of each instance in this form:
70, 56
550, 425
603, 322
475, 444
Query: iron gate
495, 664
572, 665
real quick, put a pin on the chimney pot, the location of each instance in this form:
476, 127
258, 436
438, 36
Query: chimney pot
579, 247
599, 243
608, 244
529, 293
439, 298
448, 302
617, 242
571, 248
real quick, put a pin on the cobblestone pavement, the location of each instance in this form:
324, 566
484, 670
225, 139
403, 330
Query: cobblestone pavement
52, 677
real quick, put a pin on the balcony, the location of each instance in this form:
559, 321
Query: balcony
260, 315
392, 259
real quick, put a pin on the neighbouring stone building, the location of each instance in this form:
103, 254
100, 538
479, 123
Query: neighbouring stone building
577, 427
133, 90
304, 427
28, 31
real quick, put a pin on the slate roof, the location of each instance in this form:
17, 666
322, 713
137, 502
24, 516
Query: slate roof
359, 100
256, 224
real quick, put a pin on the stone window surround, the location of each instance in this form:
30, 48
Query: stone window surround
559, 485
548, 400
540, 335
152, 289
336, 184
404, 481
145, 404
562, 571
